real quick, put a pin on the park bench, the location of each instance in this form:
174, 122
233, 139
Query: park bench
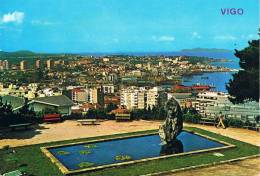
257, 127
122, 117
207, 121
88, 122
19, 126
254, 126
52, 118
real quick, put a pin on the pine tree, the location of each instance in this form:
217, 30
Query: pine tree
245, 83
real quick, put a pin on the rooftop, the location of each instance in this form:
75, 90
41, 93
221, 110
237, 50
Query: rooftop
16, 102
60, 100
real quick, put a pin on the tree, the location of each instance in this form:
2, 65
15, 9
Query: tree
7, 116
110, 107
26, 113
245, 83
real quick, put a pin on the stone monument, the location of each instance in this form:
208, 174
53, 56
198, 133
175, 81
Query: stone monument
173, 124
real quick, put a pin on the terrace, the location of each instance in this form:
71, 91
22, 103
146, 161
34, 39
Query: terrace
38, 164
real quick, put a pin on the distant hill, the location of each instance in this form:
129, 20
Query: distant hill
17, 56
205, 50
29, 54
17, 53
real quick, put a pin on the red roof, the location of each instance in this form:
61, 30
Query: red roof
113, 99
200, 87
47, 116
181, 87
77, 90
90, 106
190, 88
120, 110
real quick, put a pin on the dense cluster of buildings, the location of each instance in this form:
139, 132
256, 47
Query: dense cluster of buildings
30, 92
128, 82
208, 103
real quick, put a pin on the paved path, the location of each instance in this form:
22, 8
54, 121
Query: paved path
249, 167
72, 130
248, 136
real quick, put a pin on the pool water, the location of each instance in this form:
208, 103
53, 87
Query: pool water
107, 152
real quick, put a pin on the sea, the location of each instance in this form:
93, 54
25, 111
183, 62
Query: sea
216, 79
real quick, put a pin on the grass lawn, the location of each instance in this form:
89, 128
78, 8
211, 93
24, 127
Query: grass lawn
31, 159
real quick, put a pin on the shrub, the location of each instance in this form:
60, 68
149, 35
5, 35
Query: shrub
122, 157
6, 147
234, 122
85, 164
85, 152
62, 152
191, 118
89, 146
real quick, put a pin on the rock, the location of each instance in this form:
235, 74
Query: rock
172, 148
173, 124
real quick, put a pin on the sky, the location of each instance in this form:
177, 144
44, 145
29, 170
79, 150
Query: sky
76, 26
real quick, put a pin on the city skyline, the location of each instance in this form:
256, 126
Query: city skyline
125, 26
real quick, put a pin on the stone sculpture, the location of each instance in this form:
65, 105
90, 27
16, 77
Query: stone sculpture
173, 124
172, 148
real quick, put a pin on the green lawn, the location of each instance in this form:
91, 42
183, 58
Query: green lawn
35, 162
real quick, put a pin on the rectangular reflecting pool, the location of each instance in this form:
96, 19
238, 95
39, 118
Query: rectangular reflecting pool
124, 150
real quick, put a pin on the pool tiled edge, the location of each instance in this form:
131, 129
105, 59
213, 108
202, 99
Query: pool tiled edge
66, 171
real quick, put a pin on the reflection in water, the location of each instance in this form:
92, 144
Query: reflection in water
172, 148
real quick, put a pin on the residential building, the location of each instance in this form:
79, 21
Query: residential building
37, 64
141, 97
4, 65
90, 95
152, 97
128, 98
50, 64
23, 65
206, 99
79, 95
97, 95
184, 99
247, 112
109, 88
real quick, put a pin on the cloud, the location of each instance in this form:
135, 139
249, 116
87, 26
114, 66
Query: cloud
249, 36
115, 40
41, 22
15, 17
164, 38
196, 35
225, 37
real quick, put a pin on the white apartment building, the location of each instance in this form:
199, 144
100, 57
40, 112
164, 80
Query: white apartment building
90, 95
79, 95
4, 65
206, 99
109, 88
140, 97
211, 104
129, 98
152, 97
